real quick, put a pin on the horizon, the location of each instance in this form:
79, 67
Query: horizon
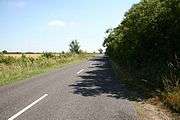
36, 26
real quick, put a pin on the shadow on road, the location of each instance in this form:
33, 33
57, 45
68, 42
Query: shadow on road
101, 80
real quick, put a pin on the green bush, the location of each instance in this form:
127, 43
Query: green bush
147, 43
47, 55
7, 60
148, 39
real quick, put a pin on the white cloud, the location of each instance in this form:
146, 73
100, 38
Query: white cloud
56, 23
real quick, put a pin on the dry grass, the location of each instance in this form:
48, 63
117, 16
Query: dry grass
27, 55
148, 111
172, 99
20, 66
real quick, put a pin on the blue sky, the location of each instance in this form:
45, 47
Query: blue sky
50, 25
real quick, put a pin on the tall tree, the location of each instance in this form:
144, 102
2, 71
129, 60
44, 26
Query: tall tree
74, 47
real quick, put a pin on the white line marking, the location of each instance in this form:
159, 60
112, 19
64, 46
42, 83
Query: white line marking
91, 64
80, 71
26, 108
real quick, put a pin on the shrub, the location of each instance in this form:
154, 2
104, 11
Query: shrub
7, 60
48, 55
4, 52
147, 43
147, 40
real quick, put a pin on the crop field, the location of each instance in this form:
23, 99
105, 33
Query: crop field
27, 55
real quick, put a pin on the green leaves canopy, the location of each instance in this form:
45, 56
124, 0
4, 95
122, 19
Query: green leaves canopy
74, 46
148, 38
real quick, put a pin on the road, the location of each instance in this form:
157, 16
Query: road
85, 91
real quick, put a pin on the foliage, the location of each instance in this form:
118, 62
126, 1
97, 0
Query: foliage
172, 98
4, 52
74, 46
63, 52
6, 60
147, 43
100, 50
148, 38
47, 55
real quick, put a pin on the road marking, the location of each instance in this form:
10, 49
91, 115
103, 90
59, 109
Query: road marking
91, 64
26, 108
80, 71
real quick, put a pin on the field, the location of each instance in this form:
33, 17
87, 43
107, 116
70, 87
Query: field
27, 55
15, 67
35, 55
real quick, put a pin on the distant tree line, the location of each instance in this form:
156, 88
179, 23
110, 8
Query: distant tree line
74, 47
7, 52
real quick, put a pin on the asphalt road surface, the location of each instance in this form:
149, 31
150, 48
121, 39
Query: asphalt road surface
86, 91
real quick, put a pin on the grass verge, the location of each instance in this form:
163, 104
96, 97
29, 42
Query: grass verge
15, 69
164, 99
172, 99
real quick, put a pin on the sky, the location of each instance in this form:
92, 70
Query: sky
50, 25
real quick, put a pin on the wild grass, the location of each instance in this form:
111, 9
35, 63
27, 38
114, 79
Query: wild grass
17, 68
170, 95
19, 55
172, 99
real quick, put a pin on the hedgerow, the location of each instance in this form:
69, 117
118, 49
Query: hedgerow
147, 43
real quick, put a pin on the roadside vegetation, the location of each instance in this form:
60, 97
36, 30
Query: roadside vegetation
13, 68
145, 47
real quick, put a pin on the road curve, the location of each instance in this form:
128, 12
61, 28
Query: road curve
86, 91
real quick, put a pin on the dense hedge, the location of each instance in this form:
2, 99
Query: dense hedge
147, 41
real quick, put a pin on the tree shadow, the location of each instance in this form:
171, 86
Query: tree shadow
101, 80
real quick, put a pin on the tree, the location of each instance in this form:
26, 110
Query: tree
48, 54
62, 52
148, 39
100, 51
74, 47
4, 51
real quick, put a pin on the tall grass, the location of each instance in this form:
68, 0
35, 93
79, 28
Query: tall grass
172, 98
13, 69
170, 95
